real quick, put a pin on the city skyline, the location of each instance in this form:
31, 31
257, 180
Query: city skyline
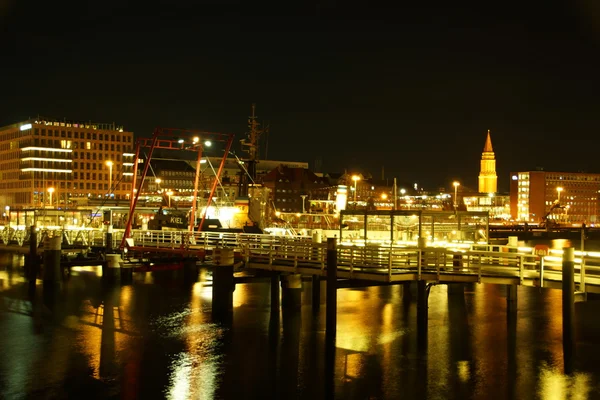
413, 90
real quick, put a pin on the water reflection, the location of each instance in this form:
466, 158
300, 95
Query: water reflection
156, 339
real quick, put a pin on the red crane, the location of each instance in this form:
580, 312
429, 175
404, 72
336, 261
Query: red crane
180, 140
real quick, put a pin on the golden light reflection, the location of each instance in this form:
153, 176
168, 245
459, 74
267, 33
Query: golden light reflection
89, 337
195, 371
464, 370
126, 293
148, 278
241, 295
353, 365
553, 385
553, 333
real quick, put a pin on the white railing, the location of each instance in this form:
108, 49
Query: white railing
353, 257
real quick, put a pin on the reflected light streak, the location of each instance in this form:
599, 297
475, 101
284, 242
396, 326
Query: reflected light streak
195, 371
241, 295
553, 385
464, 370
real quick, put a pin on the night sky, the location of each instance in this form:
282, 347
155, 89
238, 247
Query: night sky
370, 84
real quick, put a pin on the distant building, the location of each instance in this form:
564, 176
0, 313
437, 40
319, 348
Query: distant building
562, 197
293, 188
496, 204
488, 180
46, 162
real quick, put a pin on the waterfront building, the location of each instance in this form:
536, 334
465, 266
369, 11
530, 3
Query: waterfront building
293, 188
496, 204
560, 197
51, 163
488, 180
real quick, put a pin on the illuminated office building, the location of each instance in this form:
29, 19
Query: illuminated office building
52, 163
561, 197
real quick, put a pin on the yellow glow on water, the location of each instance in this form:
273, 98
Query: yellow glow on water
463, 370
126, 293
353, 365
553, 385
241, 295
194, 372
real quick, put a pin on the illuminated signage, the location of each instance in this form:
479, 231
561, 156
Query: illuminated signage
25, 127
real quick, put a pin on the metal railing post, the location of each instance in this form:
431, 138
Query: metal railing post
419, 264
521, 266
390, 265
541, 271
582, 274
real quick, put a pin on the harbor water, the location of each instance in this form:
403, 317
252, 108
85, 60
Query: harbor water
156, 338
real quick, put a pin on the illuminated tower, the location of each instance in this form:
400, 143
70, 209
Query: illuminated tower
488, 180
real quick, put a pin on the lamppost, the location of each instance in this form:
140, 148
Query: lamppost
110, 165
50, 191
492, 202
157, 181
559, 190
355, 178
170, 193
304, 196
456, 185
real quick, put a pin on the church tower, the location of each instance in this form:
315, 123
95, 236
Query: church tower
488, 180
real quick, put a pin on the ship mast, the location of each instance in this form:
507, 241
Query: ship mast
250, 145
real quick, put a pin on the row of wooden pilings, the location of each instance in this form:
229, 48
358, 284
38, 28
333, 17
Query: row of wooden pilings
291, 290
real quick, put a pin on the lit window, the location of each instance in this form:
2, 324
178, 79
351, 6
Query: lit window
88, 145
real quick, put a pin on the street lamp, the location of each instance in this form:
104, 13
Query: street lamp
50, 191
559, 190
304, 196
158, 181
456, 185
355, 178
110, 165
170, 193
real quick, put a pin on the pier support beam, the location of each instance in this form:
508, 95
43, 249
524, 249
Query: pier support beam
422, 312
32, 261
511, 299
109, 239
568, 307
111, 269
456, 289
222, 292
316, 293
52, 270
331, 305
190, 270
275, 293
406, 295
291, 292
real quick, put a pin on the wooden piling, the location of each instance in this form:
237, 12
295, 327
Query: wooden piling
275, 293
316, 293
52, 270
511, 299
568, 306
32, 259
291, 292
331, 301
223, 286
422, 313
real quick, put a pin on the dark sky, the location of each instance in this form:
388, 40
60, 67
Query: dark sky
370, 84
